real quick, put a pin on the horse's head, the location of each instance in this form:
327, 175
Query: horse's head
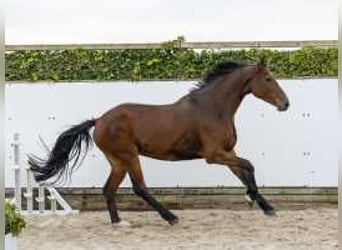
265, 87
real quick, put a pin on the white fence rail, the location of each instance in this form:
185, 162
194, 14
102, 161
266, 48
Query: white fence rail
295, 148
192, 45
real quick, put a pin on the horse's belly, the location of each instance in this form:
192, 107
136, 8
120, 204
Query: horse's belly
183, 149
172, 156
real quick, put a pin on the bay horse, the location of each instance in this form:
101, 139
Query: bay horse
200, 125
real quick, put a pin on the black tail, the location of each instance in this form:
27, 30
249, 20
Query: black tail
67, 149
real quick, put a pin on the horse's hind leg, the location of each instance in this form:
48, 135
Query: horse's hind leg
141, 190
115, 178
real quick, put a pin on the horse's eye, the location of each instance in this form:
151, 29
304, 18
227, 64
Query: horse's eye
268, 79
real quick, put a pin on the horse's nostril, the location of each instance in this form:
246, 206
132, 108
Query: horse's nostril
284, 106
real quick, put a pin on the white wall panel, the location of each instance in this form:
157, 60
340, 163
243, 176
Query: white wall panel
293, 148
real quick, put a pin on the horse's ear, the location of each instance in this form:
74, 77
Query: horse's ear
262, 63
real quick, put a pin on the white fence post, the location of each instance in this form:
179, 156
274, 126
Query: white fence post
29, 191
41, 199
16, 167
53, 202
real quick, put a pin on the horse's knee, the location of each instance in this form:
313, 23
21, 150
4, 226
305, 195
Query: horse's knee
105, 188
246, 164
108, 190
139, 190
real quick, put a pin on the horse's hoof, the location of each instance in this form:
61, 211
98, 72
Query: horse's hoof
121, 223
173, 221
270, 212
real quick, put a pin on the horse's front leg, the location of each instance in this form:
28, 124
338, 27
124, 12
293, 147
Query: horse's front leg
244, 170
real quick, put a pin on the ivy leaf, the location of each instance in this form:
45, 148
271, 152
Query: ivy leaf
167, 63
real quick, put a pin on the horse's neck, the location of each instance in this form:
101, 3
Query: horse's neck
225, 96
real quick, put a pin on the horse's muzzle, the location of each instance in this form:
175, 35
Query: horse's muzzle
284, 107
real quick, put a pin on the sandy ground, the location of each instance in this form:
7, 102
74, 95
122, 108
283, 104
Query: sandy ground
197, 229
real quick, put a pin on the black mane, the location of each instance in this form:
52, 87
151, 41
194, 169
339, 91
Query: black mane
218, 70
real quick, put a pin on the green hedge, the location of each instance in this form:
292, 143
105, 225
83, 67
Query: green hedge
167, 63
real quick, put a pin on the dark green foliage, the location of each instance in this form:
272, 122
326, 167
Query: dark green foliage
168, 63
14, 221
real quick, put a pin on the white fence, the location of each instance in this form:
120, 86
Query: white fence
294, 148
182, 44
